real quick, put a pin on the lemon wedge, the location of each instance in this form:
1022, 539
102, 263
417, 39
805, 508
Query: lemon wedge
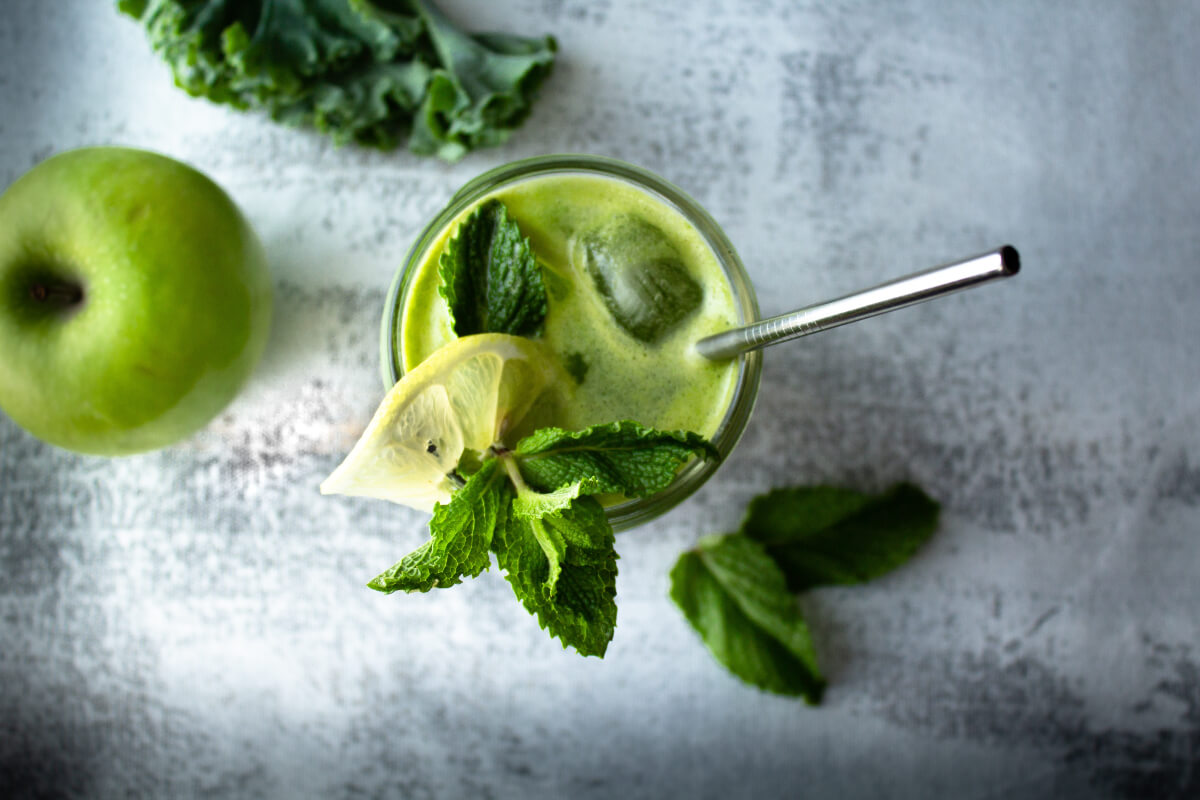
465, 396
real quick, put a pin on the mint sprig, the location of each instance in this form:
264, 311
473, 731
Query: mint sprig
491, 280
533, 507
738, 590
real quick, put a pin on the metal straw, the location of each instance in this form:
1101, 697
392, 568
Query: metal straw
917, 288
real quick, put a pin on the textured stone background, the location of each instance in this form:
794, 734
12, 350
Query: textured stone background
193, 622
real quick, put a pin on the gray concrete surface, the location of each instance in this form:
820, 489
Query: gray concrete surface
193, 622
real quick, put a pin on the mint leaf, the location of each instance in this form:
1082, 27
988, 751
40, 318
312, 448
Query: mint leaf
577, 605
490, 278
530, 504
461, 534
823, 535
539, 510
737, 599
736, 590
621, 457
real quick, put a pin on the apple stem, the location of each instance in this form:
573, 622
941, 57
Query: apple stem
61, 294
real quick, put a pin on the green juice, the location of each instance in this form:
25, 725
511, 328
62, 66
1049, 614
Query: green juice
661, 383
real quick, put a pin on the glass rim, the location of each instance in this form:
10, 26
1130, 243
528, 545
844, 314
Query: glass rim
695, 473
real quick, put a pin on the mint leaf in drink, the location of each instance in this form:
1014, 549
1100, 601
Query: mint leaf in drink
577, 366
737, 599
823, 535
572, 586
491, 280
461, 533
621, 457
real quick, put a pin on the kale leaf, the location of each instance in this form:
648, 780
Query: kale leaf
377, 73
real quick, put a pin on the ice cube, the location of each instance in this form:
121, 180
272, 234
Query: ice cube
640, 275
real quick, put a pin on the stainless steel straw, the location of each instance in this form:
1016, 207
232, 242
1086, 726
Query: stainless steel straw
917, 288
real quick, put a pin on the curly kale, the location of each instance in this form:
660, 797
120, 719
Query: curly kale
378, 72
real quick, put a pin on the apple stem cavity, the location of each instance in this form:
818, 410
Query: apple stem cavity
59, 295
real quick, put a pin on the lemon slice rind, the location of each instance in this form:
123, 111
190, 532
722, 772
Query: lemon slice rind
464, 396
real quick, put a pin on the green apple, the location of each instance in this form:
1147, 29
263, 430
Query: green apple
135, 300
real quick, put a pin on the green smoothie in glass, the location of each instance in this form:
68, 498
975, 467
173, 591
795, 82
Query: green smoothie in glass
635, 274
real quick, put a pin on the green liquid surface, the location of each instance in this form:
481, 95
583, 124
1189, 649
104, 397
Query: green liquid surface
663, 384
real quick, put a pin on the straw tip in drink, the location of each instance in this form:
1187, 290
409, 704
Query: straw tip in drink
1010, 260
